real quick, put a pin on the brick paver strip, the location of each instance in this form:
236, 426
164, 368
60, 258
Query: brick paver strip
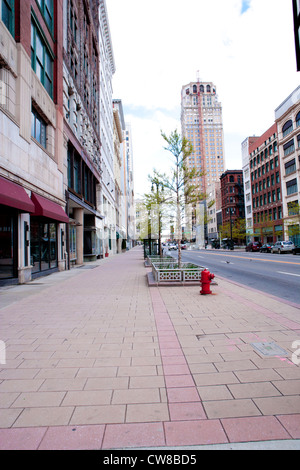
102, 360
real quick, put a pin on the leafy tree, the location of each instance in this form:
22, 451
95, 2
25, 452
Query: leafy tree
178, 185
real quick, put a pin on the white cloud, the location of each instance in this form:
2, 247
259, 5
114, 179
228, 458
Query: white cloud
160, 45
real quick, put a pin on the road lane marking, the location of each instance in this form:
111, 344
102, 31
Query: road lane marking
253, 259
289, 274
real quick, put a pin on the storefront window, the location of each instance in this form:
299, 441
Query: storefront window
43, 245
72, 243
7, 246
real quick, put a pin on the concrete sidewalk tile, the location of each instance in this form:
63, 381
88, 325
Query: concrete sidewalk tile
235, 365
263, 375
251, 429
36, 399
288, 387
133, 435
230, 408
59, 384
182, 395
291, 424
214, 392
176, 369
133, 395
146, 361
8, 417
174, 360
203, 368
186, 411
148, 412
135, 371
44, 416
21, 439
189, 433
106, 383
87, 372
104, 414
19, 374
254, 390
178, 381
7, 399
93, 397
218, 378
73, 438
292, 372
58, 373
147, 382
279, 405
21, 385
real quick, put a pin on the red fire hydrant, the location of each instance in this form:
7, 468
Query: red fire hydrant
206, 278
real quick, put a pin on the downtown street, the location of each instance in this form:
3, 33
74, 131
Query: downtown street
273, 274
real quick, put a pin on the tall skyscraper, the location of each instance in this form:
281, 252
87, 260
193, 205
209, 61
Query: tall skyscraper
202, 125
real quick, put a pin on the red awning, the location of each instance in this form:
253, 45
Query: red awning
14, 195
46, 208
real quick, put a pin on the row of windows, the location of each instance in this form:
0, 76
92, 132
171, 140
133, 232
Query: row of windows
264, 154
266, 183
8, 14
267, 198
264, 169
267, 216
80, 178
42, 58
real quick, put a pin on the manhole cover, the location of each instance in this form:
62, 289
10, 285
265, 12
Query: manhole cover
270, 349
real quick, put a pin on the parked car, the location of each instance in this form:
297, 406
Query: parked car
296, 250
253, 246
283, 247
183, 246
172, 246
266, 248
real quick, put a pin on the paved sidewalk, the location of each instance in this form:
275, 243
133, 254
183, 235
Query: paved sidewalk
97, 359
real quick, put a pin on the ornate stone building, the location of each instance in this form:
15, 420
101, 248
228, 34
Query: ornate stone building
82, 146
32, 199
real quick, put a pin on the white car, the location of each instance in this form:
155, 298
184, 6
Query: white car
172, 246
283, 247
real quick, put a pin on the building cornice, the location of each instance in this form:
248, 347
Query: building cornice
106, 30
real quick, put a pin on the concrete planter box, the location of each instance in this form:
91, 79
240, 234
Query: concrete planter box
168, 271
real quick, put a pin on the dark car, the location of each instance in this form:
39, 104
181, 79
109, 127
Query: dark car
253, 246
296, 250
266, 248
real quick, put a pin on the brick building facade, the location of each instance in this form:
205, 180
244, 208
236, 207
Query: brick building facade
266, 187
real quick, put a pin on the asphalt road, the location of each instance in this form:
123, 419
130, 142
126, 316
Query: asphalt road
274, 274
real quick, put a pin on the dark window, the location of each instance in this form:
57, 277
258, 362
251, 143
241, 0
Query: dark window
43, 240
38, 128
289, 148
287, 128
291, 187
80, 178
290, 167
46, 7
41, 58
8, 15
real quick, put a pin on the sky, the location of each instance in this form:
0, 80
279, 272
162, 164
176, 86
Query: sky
245, 47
